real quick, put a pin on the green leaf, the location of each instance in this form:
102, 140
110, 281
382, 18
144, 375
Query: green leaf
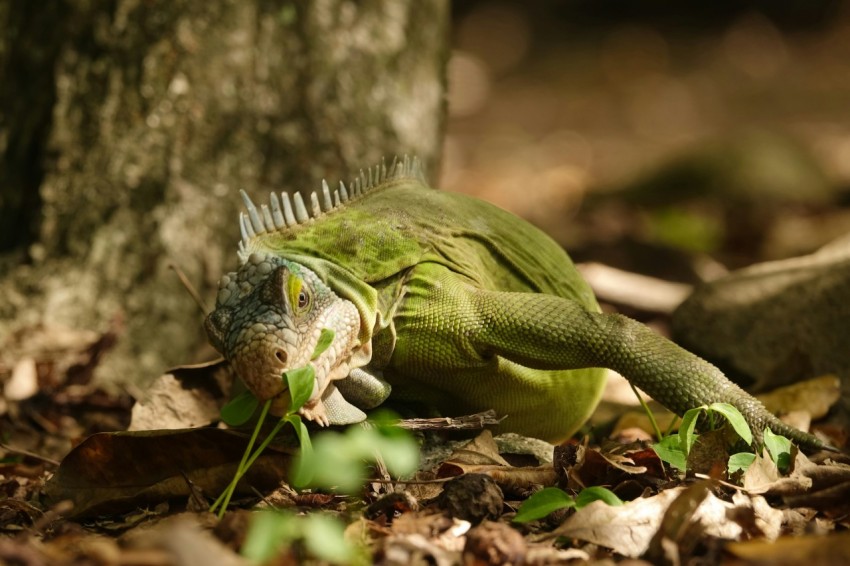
386, 421
687, 436
670, 451
303, 464
540, 504
400, 454
395, 445
324, 537
735, 418
740, 461
302, 432
239, 410
338, 462
269, 532
779, 448
326, 338
597, 493
300, 383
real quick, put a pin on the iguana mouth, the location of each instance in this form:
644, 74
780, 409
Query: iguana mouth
260, 362
264, 351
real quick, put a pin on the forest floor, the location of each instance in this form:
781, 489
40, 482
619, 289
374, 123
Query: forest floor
144, 497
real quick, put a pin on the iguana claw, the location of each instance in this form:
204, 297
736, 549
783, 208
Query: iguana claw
314, 410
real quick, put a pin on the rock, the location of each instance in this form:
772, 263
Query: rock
775, 323
472, 497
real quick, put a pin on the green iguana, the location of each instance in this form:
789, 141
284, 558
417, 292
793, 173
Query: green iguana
441, 299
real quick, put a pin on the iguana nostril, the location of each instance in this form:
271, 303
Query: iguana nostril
281, 356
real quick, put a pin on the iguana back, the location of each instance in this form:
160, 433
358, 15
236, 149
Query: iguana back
401, 223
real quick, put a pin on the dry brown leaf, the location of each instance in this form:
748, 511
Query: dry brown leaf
628, 529
427, 489
681, 529
81, 547
117, 472
521, 480
481, 456
510, 479
835, 499
761, 520
185, 542
425, 536
626, 462
15, 513
539, 554
814, 396
823, 486
482, 450
808, 550
760, 475
617, 463
492, 543
824, 474
185, 397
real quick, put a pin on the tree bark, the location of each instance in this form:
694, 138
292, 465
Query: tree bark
128, 128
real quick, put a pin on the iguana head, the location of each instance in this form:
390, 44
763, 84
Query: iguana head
268, 318
271, 312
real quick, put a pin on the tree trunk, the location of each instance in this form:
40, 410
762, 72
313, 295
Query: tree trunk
128, 128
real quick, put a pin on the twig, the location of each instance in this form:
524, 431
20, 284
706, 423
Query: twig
262, 497
415, 482
194, 493
467, 422
29, 454
721, 482
189, 288
632, 289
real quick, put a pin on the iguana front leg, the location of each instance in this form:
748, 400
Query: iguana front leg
547, 332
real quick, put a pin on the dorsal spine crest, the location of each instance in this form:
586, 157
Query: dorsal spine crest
282, 213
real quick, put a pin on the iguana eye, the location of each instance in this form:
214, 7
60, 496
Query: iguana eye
297, 293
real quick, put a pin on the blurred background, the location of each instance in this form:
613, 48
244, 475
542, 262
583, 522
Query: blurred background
659, 137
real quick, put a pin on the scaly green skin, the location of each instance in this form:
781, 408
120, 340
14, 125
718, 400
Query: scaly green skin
461, 306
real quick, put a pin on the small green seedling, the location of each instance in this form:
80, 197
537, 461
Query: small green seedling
323, 537
240, 409
779, 448
550, 499
325, 339
338, 460
740, 461
674, 449
299, 383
